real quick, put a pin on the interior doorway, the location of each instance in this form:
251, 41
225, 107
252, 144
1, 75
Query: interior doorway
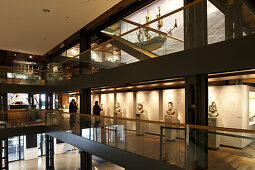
41, 139
15, 148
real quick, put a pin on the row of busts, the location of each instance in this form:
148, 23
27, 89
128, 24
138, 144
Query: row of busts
140, 108
213, 112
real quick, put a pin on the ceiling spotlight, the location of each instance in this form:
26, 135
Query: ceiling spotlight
62, 45
30, 57
46, 10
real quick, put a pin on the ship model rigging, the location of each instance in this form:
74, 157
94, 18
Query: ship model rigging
151, 42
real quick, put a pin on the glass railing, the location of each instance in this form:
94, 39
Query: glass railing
19, 75
182, 145
133, 41
141, 36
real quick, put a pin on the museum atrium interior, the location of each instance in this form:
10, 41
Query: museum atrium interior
127, 84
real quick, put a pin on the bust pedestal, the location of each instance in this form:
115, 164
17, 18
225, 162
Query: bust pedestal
102, 121
139, 125
170, 133
117, 114
213, 139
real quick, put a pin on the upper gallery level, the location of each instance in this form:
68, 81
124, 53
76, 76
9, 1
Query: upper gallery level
158, 29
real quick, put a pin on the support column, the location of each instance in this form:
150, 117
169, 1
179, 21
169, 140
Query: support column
233, 19
4, 102
3, 107
40, 101
49, 152
60, 103
85, 101
31, 100
51, 101
4, 162
196, 113
85, 59
46, 101
4, 62
86, 161
85, 107
195, 25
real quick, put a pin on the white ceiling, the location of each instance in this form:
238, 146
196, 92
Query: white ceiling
24, 27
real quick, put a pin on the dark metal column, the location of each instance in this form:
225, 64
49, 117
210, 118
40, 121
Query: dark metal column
85, 122
195, 25
49, 153
85, 107
3, 107
85, 101
233, 19
86, 161
196, 113
3, 62
60, 104
4, 154
4, 101
46, 101
40, 101
51, 101
85, 59
196, 87
31, 100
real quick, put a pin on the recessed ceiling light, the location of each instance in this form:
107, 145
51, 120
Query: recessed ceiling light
62, 45
46, 10
30, 57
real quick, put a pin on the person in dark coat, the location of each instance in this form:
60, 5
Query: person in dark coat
96, 111
72, 109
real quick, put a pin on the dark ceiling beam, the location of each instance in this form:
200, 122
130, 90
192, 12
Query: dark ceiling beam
221, 5
112, 154
251, 5
116, 13
21, 88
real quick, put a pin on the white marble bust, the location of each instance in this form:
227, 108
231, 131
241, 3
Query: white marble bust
170, 110
117, 107
140, 108
213, 112
101, 106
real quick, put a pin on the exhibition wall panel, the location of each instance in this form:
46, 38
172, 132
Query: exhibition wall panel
127, 104
150, 102
108, 104
94, 98
233, 107
177, 96
233, 103
228, 100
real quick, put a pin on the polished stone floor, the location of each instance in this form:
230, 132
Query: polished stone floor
66, 161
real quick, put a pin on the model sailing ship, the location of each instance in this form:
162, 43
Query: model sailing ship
156, 42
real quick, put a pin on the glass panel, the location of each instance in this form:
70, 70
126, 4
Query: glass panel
13, 148
216, 24
22, 147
